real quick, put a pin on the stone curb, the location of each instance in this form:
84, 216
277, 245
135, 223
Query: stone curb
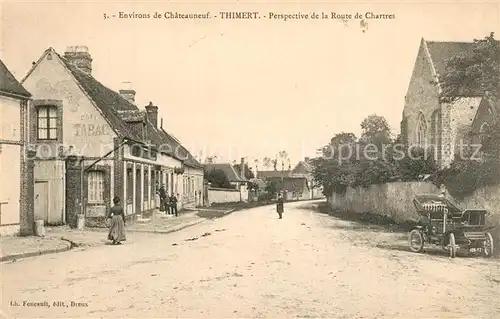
67, 246
168, 231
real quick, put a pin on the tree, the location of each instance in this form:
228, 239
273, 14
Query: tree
256, 161
474, 71
267, 162
342, 145
211, 159
376, 130
217, 178
283, 156
271, 188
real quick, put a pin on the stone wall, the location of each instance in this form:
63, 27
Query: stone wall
223, 195
395, 200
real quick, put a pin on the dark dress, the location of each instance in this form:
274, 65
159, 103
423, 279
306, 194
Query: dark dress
117, 227
163, 199
279, 207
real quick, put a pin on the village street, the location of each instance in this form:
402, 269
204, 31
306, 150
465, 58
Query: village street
251, 264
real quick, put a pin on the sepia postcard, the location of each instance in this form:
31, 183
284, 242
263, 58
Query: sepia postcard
250, 159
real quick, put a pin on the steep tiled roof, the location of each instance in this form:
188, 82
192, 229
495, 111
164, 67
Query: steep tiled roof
126, 118
9, 84
291, 184
107, 100
178, 151
269, 174
260, 183
228, 169
132, 115
442, 51
302, 168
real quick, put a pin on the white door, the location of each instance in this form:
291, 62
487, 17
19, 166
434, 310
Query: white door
41, 201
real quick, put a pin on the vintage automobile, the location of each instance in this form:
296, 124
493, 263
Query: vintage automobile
445, 224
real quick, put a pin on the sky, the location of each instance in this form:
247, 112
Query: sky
248, 88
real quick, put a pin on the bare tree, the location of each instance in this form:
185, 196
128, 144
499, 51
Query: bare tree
211, 159
267, 162
283, 156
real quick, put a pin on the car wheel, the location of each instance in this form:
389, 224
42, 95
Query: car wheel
452, 245
488, 246
416, 240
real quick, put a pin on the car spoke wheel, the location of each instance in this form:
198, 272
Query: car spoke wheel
416, 241
488, 245
452, 245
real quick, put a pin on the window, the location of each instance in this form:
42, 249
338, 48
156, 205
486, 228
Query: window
435, 128
47, 122
421, 131
482, 132
96, 186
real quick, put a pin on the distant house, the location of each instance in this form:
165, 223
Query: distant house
16, 199
235, 178
94, 143
429, 122
297, 183
239, 192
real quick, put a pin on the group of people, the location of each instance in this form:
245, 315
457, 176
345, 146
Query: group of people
167, 203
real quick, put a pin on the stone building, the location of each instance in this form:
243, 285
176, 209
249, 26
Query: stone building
94, 143
16, 178
427, 121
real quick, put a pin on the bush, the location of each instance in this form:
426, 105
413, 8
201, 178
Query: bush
464, 176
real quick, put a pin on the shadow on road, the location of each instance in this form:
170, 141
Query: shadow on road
379, 231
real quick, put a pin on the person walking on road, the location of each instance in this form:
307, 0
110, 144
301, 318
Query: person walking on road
279, 206
117, 225
173, 204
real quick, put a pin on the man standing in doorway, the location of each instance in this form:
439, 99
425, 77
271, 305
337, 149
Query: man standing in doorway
173, 203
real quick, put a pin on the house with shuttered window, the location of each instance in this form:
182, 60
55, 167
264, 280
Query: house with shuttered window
94, 143
15, 197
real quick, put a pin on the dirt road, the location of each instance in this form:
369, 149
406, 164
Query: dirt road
252, 265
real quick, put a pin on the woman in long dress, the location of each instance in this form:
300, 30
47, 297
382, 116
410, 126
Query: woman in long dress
117, 228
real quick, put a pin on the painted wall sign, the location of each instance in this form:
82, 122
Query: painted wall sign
90, 117
90, 129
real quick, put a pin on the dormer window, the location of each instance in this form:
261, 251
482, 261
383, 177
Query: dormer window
47, 122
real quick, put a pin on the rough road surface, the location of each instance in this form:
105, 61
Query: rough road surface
251, 264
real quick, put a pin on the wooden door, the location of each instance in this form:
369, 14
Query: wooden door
41, 201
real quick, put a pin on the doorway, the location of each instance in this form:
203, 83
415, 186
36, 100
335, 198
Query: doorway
41, 208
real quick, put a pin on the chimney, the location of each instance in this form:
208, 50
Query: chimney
127, 92
80, 57
242, 167
152, 114
161, 122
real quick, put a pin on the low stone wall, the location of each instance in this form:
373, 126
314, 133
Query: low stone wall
393, 199
223, 195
